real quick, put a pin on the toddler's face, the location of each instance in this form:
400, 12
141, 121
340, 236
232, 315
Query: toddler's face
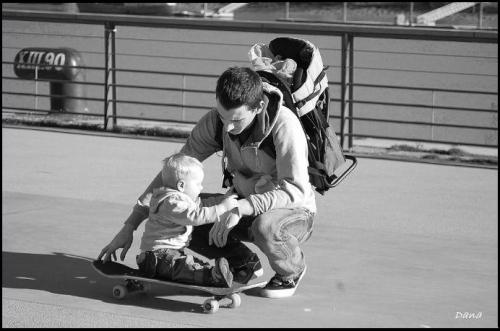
193, 184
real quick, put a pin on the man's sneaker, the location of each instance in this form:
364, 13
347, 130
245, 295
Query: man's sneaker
221, 274
147, 263
248, 271
279, 288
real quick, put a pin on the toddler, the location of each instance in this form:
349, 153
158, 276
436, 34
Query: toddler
174, 209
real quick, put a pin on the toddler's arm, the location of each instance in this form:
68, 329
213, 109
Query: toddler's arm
218, 198
185, 212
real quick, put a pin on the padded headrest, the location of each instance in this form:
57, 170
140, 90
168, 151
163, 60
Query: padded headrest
292, 48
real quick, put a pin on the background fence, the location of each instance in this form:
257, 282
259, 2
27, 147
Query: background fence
394, 83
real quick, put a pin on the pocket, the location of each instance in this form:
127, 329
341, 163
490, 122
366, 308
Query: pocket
299, 225
310, 222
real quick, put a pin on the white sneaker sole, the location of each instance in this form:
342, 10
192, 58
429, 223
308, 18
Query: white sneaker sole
284, 293
258, 273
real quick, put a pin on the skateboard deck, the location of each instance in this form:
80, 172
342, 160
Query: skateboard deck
134, 282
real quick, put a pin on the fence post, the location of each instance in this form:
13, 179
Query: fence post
343, 58
410, 23
351, 89
183, 97
433, 113
109, 75
480, 15
347, 87
36, 87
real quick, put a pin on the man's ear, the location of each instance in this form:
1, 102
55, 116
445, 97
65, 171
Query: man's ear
180, 185
260, 107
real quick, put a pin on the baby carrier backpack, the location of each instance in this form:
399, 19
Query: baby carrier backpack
295, 67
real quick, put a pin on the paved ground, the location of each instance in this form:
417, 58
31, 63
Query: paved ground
397, 244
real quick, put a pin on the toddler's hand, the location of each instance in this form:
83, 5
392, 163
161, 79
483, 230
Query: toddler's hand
228, 204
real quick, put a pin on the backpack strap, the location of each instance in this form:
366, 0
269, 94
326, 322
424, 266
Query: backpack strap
281, 85
227, 179
218, 132
311, 96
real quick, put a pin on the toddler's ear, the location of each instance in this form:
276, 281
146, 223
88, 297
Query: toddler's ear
180, 185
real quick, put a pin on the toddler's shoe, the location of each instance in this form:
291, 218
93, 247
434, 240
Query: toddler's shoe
147, 262
249, 270
221, 274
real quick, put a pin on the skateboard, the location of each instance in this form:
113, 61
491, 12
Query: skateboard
136, 282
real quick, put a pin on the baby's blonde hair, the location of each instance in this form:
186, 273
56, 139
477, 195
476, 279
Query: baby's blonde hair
177, 167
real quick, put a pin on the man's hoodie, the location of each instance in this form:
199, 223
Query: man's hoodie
248, 163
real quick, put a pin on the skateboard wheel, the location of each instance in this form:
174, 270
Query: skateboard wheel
119, 291
210, 306
235, 300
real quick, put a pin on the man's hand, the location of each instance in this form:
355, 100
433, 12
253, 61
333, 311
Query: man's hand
220, 230
123, 239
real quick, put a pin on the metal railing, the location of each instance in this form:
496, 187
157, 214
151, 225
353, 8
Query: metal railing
346, 83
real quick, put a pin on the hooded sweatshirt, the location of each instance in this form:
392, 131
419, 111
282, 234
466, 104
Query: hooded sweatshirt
248, 163
172, 215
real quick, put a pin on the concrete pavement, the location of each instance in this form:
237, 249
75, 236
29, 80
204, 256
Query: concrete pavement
397, 244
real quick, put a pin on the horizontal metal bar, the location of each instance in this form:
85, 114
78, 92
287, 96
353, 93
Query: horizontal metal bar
63, 66
418, 139
164, 73
155, 119
52, 95
420, 53
205, 107
182, 41
181, 57
422, 123
47, 111
53, 80
162, 104
162, 88
427, 71
427, 106
430, 89
51, 34
330, 29
416, 105
5, 109
371, 51
80, 51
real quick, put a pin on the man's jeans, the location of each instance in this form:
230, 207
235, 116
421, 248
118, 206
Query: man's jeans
278, 233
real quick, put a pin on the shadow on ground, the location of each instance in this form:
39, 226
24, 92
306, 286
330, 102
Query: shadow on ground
73, 275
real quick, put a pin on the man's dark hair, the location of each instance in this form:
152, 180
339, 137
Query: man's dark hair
238, 86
